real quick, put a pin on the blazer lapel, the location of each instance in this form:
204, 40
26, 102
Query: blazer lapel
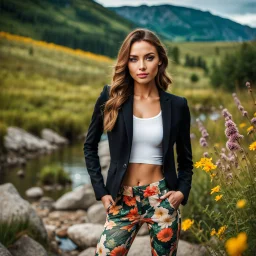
165, 103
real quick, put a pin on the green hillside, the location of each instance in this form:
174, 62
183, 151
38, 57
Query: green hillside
82, 24
178, 23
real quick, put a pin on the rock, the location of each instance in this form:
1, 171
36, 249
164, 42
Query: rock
46, 202
103, 149
65, 219
85, 235
140, 244
53, 137
80, 198
50, 231
185, 248
4, 251
19, 140
13, 207
62, 232
26, 246
21, 173
34, 192
88, 252
143, 230
96, 213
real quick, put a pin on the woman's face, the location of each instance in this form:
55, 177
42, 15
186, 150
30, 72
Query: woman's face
143, 59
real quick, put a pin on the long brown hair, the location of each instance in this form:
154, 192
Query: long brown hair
122, 80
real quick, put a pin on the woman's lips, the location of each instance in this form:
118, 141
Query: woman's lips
142, 76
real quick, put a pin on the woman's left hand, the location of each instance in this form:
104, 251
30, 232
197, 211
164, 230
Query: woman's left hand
174, 197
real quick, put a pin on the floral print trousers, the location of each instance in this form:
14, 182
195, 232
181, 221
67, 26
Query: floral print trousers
134, 206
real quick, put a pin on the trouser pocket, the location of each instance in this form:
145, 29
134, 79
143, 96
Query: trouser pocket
166, 199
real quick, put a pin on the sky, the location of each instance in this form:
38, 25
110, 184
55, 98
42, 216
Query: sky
241, 11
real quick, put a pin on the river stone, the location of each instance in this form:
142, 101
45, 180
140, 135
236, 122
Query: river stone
141, 244
14, 207
80, 198
96, 213
34, 192
26, 246
4, 251
85, 235
143, 230
19, 140
103, 148
88, 252
53, 137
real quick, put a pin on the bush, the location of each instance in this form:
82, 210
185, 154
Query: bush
53, 174
194, 78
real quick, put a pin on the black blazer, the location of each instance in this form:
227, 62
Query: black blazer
176, 129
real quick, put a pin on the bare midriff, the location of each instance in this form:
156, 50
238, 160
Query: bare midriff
139, 174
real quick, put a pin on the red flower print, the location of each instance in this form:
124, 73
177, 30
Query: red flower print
133, 214
119, 251
165, 234
129, 200
150, 191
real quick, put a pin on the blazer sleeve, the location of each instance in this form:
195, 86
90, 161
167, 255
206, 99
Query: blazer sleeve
90, 148
184, 154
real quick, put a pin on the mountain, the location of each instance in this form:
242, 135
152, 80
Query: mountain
82, 24
186, 24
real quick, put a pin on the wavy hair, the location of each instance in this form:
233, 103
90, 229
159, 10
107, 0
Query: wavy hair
120, 87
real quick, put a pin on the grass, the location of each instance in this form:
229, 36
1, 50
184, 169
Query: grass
54, 174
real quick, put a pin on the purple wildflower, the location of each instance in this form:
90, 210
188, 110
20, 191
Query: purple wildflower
232, 146
253, 120
245, 113
225, 113
230, 131
206, 154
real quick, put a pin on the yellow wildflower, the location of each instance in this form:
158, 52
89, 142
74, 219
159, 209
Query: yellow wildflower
216, 145
212, 175
221, 231
235, 246
241, 203
215, 189
255, 114
186, 224
206, 164
213, 232
242, 125
249, 129
218, 197
253, 146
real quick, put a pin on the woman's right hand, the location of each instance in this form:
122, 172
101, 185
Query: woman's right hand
107, 200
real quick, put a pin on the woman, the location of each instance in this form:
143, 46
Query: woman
143, 122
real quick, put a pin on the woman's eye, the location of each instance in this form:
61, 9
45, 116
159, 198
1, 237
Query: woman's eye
150, 58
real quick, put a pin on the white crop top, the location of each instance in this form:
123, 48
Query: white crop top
147, 140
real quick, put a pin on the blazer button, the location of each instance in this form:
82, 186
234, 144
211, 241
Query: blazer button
125, 165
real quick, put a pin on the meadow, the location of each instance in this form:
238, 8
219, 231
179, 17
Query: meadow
43, 85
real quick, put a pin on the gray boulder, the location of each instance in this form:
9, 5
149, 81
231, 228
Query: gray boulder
26, 246
14, 207
85, 235
81, 197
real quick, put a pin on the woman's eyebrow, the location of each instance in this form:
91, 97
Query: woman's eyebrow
144, 55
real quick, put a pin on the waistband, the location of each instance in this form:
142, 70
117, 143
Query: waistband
147, 190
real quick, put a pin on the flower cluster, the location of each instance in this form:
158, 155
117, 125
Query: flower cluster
206, 164
186, 224
253, 146
204, 133
231, 132
220, 232
239, 105
237, 245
